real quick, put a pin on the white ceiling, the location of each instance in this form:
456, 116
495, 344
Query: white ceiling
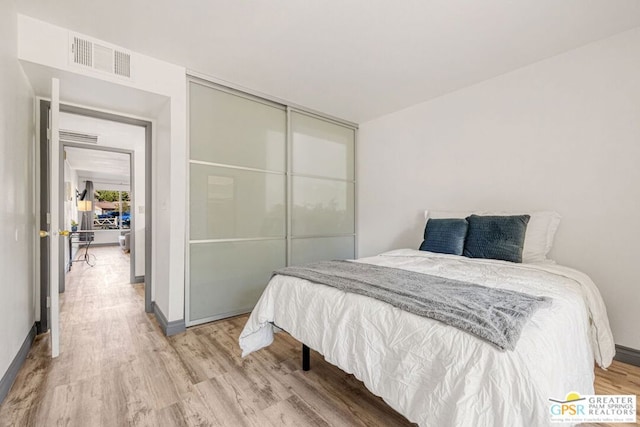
355, 59
102, 167
108, 170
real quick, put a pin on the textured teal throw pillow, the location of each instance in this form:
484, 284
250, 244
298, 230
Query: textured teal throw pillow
445, 236
496, 237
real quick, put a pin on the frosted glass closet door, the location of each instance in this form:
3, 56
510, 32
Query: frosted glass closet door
237, 215
322, 190
233, 130
305, 250
234, 203
321, 148
227, 278
321, 207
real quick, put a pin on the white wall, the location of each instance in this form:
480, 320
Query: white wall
17, 218
70, 207
42, 43
161, 214
561, 134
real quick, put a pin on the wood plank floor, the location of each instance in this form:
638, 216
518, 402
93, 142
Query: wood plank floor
117, 369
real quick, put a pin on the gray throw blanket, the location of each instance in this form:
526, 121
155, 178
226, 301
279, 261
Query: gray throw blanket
495, 315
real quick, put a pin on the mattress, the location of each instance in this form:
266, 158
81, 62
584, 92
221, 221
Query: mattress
435, 374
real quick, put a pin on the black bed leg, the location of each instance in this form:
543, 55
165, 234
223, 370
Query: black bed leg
306, 358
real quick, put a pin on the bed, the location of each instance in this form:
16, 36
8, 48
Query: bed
435, 374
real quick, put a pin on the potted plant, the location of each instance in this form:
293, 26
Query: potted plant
74, 226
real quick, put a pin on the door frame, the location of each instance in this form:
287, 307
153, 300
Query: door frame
42, 213
132, 180
42, 197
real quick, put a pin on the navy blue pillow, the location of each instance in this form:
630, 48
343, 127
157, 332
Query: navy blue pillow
496, 237
445, 236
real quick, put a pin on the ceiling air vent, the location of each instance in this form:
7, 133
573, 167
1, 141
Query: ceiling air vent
123, 64
82, 52
73, 136
100, 56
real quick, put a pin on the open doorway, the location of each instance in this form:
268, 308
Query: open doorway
109, 156
99, 194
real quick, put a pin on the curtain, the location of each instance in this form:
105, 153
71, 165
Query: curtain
87, 217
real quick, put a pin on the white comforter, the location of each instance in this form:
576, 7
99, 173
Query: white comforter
437, 375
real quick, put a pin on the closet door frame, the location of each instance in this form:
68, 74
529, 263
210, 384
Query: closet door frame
213, 83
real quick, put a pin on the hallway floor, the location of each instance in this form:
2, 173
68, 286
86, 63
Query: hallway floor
116, 368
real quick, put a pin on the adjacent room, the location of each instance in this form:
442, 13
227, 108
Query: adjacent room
103, 204
320, 213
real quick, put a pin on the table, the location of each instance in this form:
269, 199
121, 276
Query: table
88, 239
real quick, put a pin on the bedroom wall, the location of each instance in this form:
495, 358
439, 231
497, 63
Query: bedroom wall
17, 219
70, 205
161, 216
561, 134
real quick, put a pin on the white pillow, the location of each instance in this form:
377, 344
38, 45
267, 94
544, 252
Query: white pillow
538, 239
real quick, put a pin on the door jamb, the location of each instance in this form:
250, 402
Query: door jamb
132, 191
147, 278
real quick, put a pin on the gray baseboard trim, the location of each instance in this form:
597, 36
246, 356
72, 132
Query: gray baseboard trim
169, 328
627, 355
39, 330
138, 279
98, 245
10, 376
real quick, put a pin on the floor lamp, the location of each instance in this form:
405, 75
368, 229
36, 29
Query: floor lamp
85, 206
